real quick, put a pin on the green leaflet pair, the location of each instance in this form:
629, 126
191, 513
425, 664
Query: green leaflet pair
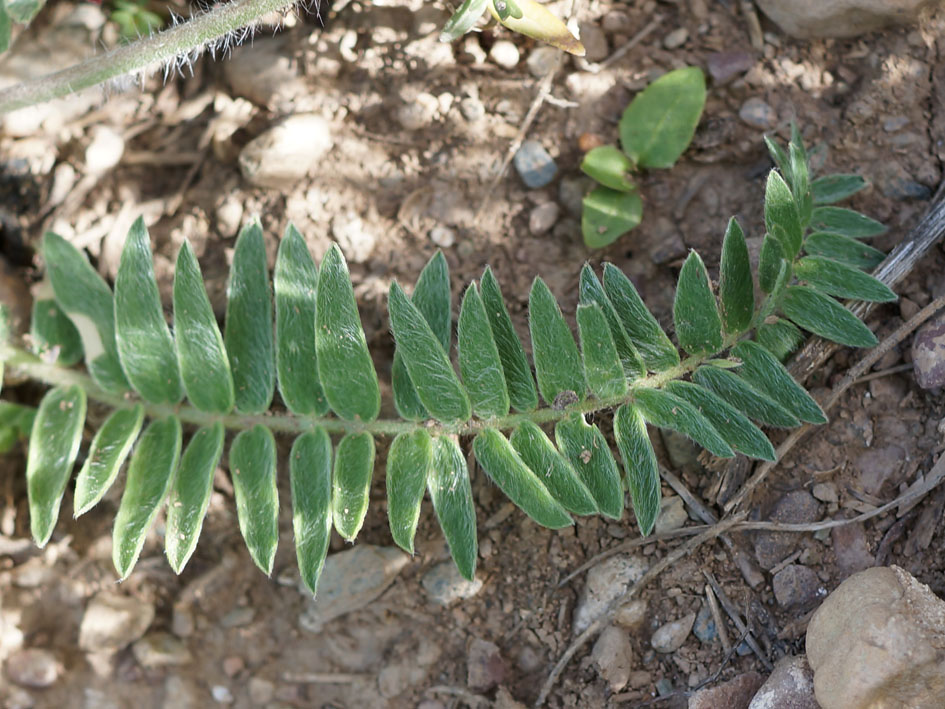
303, 334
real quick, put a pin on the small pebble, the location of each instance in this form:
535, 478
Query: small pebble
472, 109
664, 687
825, 492
894, 123
33, 667
757, 114
676, 38
669, 637
616, 22
444, 585
238, 617
221, 694
704, 627
632, 615
542, 60
442, 236
233, 665
595, 44
725, 66
485, 667
261, 690
734, 694
105, 150
672, 515
614, 657
790, 686
534, 165
285, 153
543, 217
797, 585
418, 113
504, 54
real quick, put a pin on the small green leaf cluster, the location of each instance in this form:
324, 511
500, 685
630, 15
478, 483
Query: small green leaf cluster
655, 129
301, 334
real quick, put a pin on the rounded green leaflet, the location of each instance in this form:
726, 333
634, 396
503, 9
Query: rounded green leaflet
736, 287
351, 483
110, 447
341, 346
145, 346
518, 373
642, 469
252, 464
608, 214
698, 324
602, 366
204, 365
87, 300
770, 263
294, 282
762, 370
585, 447
740, 433
53, 334
248, 328
426, 361
451, 493
540, 455
834, 188
610, 167
310, 475
558, 365
409, 463
150, 475
822, 315
841, 280
54, 444
744, 397
669, 411
519, 483
844, 249
838, 220
592, 292
190, 495
781, 211
479, 361
658, 125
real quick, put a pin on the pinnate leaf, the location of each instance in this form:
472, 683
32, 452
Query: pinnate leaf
667, 410
518, 374
409, 465
110, 447
253, 471
842, 281
658, 125
608, 214
744, 397
294, 282
506, 468
736, 289
540, 455
150, 476
586, 449
453, 503
835, 188
847, 222
602, 367
310, 477
558, 364
824, 316
592, 293
843, 249
762, 370
351, 483
54, 444
645, 333
698, 325
248, 331
204, 365
190, 495
639, 461
145, 347
427, 363
341, 345
479, 361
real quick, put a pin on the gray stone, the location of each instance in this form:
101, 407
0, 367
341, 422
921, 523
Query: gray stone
877, 641
928, 354
534, 165
851, 548
614, 657
790, 686
33, 667
285, 153
443, 236
221, 694
797, 586
672, 515
542, 60
472, 109
725, 66
350, 580
485, 667
734, 694
632, 615
112, 622
757, 114
264, 72
261, 690
161, 650
616, 22
417, 112
606, 582
878, 467
595, 44
795, 507
704, 627
505, 54
669, 637
676, 38
839, 18
543, 217
445, 585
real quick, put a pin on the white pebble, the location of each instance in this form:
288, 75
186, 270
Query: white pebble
505, 54
442, 236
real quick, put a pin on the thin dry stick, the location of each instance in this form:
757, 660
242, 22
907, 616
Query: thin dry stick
851, 377
653, 572
736, 619
717, 617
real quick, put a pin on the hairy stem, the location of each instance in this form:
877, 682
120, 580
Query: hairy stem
183, 40
28, 364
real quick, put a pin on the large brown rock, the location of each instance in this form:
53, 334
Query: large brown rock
840, 18
878, 642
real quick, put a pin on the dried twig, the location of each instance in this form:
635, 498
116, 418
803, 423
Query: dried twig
736, 619
717, 617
